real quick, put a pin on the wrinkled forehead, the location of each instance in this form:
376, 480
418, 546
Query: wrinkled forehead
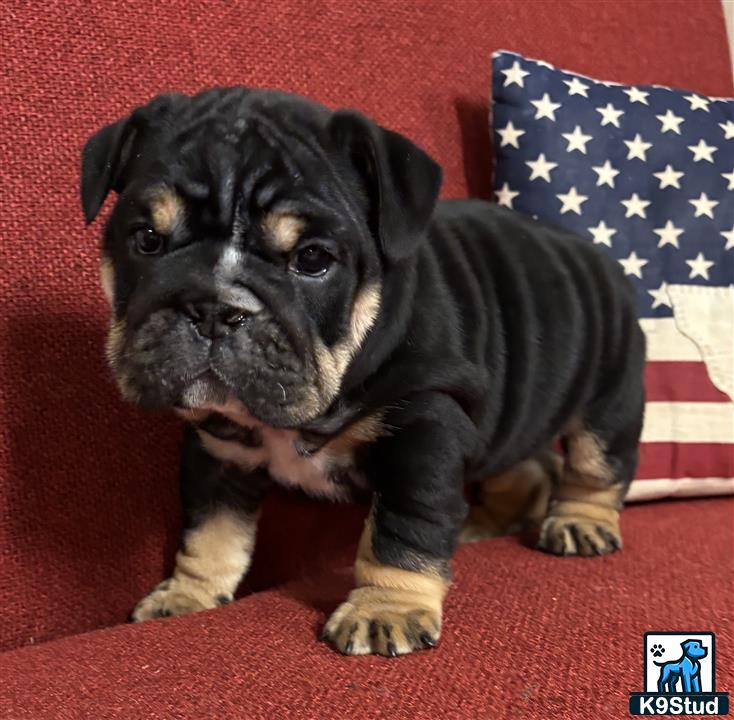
242, 165
280, 225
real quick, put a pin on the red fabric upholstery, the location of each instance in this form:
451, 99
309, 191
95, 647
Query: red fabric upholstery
527, 635
88, 497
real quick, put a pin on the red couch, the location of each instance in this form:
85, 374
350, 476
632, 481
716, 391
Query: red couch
88, 498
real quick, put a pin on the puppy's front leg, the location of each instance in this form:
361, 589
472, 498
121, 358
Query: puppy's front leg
221, 505
402, 569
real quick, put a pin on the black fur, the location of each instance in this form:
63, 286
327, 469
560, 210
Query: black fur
207, 484
494, 331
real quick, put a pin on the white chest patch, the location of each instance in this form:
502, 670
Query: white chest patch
277, 453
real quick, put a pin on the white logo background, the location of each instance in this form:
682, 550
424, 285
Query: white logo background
673, 651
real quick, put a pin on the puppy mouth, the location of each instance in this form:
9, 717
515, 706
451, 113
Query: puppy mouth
165, 364
210, 387
203, 389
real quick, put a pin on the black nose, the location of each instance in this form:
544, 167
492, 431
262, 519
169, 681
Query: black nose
215, 320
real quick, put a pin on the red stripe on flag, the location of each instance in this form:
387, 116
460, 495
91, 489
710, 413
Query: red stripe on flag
679, 460
680, 382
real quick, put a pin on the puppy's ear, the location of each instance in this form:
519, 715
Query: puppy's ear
401, 181
104, 157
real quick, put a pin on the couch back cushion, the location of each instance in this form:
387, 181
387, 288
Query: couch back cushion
89, 511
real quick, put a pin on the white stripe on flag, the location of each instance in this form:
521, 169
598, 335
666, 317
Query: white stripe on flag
691, 422
665, 342
679, 487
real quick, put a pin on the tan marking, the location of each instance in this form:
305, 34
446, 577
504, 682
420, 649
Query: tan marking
585, 457
232, 451
579, 509
167, 211
368, 571
364, 431
333, 362
107, 279
392, 611
609, 497
364, 313
115, 342
283, 230
214, 557
512, 501
217, 553
113, 349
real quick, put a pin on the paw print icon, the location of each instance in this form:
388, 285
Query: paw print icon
657, 650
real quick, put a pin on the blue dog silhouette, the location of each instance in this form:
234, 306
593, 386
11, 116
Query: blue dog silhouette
687, 669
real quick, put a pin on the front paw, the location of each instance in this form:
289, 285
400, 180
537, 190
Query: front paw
384, 621
173, 597
580, 536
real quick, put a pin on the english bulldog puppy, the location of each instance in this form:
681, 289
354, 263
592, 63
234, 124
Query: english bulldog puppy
285, 279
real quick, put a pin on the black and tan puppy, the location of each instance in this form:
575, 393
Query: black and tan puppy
283, 277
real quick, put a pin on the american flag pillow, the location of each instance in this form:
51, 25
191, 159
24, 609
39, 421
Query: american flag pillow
647, 174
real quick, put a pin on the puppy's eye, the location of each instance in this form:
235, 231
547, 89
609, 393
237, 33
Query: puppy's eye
148, 242
311, 260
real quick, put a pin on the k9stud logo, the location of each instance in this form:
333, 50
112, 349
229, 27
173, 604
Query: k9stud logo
679, 670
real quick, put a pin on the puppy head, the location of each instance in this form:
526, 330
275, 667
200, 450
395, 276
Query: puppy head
246, 255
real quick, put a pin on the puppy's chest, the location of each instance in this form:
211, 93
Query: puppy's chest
329, 472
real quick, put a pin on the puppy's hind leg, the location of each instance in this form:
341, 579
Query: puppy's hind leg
514, 500
601, 459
